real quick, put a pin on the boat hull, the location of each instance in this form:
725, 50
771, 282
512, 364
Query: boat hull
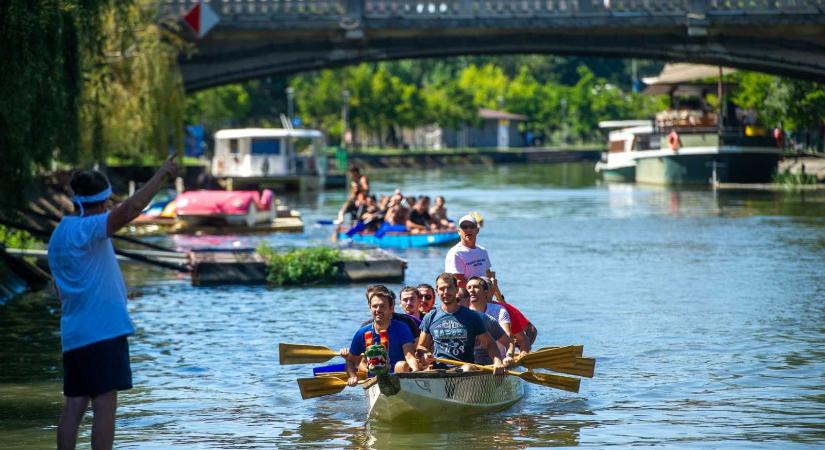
622, 174
691, 166
403, 240
441, 395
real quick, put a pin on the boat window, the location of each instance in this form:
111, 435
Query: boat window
233, 146
266, 147
616, 146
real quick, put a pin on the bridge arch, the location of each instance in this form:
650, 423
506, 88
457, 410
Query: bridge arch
257, 38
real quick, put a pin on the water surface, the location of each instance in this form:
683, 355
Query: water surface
704, 310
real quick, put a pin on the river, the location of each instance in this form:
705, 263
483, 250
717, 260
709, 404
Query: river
703, 308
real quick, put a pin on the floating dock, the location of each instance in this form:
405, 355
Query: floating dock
246, 266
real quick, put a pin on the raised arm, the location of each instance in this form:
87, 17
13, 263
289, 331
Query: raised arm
132, 206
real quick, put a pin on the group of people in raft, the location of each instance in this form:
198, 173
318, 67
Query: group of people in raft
467, 326
363, 212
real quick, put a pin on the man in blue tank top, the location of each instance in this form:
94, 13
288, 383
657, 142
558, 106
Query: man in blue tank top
452, 331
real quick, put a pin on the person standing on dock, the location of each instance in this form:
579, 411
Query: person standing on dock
94, 320
467, 259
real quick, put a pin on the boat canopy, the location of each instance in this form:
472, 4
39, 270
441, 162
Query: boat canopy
267, 132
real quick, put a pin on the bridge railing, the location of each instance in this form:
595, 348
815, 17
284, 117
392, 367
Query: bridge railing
287, 10
265, 9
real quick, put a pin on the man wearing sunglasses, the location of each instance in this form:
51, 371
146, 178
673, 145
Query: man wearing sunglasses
466, 259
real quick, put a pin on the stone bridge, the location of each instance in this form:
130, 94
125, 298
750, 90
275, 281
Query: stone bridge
257, 38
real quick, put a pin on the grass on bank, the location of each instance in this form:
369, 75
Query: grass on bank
301, 267
788, 179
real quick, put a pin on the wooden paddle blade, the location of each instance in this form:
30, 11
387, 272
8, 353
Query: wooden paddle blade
583, 367
549, 380
544, 358
341, 375
303, 354
579, 349
320, 386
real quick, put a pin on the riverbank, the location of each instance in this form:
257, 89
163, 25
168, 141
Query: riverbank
401, 159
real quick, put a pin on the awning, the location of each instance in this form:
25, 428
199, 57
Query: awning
683, 72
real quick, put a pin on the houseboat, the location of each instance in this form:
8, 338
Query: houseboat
690, 143
255, 157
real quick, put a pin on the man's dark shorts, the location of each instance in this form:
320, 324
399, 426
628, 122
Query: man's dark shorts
97, 368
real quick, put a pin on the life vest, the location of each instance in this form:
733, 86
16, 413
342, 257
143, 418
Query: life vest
376, 352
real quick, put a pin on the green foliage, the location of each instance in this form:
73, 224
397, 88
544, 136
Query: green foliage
793, 105
790, 180
11, 238
82, 79
133, 96
317, 265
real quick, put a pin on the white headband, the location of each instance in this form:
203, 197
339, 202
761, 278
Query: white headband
99, 197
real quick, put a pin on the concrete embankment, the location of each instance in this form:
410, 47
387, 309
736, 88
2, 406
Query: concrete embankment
391, 160
811, 165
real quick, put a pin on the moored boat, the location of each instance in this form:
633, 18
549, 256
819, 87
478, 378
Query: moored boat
214, 207
402, 239
441, 394
692, 142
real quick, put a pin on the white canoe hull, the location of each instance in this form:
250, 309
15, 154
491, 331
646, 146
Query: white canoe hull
438, 395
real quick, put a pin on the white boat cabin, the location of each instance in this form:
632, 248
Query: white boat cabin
267, 152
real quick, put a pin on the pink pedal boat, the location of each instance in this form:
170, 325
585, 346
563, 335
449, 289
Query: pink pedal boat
222, 208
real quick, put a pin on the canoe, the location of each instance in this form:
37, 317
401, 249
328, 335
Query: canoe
403, 240
441, 395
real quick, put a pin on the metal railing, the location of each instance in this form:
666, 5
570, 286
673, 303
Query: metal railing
256, 10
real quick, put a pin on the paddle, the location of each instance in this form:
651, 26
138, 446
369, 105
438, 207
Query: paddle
320, 386
583, 367
304, 354
543, 379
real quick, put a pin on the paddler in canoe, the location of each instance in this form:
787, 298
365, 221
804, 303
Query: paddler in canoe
387, 345
452, 331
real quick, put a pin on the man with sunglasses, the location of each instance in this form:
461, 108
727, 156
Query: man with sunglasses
427, 297
467, 259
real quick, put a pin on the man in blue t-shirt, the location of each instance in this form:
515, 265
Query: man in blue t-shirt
453, 331
94, 322
399, 343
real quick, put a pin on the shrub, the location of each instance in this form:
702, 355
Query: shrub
306, 266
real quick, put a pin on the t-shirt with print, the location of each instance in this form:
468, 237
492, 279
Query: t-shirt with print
470, 262
454, 335
398, 335
87, 275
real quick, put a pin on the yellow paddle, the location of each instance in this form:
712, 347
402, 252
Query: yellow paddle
320, 386
341, 375
304, 354
583, 367
543, 379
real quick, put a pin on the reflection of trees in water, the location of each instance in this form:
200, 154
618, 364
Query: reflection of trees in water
30, 338
30, 362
